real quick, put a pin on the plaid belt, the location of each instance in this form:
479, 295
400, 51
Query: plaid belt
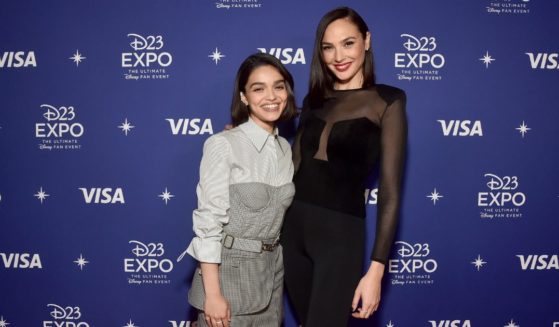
231, 242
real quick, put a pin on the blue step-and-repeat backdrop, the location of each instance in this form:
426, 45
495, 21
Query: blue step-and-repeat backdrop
105, 105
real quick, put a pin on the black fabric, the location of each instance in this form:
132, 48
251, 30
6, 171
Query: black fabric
338, 145
323, 253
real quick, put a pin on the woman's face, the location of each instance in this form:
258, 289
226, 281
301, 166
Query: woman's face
266, 95
343, 51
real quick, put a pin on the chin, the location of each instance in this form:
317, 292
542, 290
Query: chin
342, 77
274, 119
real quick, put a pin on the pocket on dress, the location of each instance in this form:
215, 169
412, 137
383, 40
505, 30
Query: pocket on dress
257, 283
229, 280
247, 285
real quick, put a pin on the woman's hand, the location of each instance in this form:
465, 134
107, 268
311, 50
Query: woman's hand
217, 311
368, 292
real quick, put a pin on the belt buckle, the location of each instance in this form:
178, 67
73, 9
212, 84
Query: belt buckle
268, 247
228, 241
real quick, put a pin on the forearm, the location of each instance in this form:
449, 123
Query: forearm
387, 223
210, 278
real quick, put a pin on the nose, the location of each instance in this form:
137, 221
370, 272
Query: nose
271, 94
338, 55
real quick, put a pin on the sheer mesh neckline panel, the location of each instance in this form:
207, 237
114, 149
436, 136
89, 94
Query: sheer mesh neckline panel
347, 106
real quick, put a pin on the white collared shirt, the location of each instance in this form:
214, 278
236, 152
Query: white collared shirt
243, 154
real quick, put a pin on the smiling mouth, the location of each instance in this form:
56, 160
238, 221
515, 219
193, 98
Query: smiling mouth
342, 67
271, 107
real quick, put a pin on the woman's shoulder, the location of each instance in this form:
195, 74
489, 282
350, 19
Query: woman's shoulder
219, 142
390, 93
229, 139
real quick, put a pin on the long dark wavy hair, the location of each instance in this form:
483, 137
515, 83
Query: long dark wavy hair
239, 111
322, 80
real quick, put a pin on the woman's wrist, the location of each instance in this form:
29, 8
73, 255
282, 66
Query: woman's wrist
210, 278
376, 270
213, 294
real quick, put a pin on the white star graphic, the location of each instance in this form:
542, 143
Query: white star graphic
390, 324
3, 323
478, 262
41, 195
512, 324
77, 58
81, 261
126, 126
166, 196
216, 55
435, 196
487, 59
130, 324
523, 129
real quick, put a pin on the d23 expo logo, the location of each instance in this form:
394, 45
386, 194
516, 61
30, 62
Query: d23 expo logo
148, 267
508, 7
238, 4
148, 61
420, 61
503, 199
413, 266
68, 316
59, 131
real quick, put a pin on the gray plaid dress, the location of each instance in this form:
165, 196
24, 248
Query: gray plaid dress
245, 187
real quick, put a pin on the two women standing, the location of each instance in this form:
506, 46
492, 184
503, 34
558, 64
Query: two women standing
348, 124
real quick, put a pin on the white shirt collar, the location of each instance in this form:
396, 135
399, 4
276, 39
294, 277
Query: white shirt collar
257, 135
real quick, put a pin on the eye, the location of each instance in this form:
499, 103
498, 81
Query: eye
258, 89
327, 47
348, 44
280, 87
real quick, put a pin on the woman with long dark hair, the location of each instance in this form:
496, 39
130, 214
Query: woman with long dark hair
245, 187
348, 124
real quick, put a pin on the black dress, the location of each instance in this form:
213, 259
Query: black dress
336, 148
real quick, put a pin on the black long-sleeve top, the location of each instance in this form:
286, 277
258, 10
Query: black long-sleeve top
338, 145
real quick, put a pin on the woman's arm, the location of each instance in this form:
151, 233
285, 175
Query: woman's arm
393, 148
216, 308
208, 220
213, 200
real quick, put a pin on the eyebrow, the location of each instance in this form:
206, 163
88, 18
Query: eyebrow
260, 83
344, 40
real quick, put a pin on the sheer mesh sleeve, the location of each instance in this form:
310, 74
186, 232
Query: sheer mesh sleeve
393, 148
